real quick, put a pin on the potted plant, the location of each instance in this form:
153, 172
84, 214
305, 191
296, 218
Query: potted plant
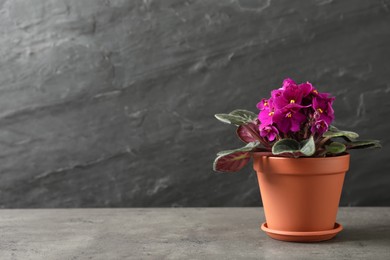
300, 160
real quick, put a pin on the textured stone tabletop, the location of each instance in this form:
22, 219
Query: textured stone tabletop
180, 233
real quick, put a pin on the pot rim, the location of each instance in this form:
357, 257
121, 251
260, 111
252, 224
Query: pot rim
276, 157
302, 165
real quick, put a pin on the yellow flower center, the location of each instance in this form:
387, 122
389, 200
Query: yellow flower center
271, 113
289, 114
265, 104
320, 110
315, 91
292, 101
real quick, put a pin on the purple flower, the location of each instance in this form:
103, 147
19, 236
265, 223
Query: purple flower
289, 118
266, 116
322, 105
314, 92
288, 82
269, 132
293, 107
307, 88
278, 98
266, 111
295, 93
264, 103
319, 127
290, 93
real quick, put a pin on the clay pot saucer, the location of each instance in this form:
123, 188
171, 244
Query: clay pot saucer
293, 236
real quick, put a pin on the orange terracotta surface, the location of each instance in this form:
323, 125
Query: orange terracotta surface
301, 194
292, 236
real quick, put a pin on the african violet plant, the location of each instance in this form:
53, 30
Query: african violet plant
294, 122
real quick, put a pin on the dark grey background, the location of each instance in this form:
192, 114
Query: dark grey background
111, 103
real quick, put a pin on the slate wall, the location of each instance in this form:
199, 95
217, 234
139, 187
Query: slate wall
111, 103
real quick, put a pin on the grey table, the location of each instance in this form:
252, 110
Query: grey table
180, 233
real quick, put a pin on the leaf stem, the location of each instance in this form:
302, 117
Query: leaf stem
323, 141
254, 135
306, 132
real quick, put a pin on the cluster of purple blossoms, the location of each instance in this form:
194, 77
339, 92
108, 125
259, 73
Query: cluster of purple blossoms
293, 109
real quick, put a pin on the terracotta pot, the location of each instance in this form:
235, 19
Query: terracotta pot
301, 195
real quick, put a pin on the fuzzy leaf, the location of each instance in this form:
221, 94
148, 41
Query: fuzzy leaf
306, 147
250, 116
285, 146
230, 119
237, 117
364, 144
245, 135
246, 148
335, 132
234, 160
335, 148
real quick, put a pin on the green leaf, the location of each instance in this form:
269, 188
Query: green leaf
230, 119
285, 146
335, 132
306, 147
349, 134
364, 144
248, 147
335, 148
248, 115
237, 117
